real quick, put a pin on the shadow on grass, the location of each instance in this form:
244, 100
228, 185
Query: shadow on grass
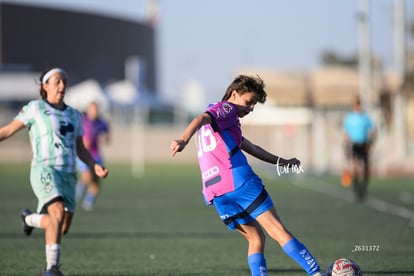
244, 272
125, 235
391, 272
286, 271
282, 271
365, 272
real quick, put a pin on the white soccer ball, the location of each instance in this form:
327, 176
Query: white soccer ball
343, 267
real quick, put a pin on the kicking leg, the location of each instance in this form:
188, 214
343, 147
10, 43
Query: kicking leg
290, 245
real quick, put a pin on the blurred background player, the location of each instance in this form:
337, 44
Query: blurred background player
230, 184
55, 131
96, 131
359, 136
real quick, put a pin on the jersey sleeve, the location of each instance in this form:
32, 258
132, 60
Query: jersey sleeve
27, 114
223, 116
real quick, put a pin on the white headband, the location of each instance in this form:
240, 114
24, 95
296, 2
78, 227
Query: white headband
51, 72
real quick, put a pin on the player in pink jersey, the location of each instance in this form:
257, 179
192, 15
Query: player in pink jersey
230, 184
96, 131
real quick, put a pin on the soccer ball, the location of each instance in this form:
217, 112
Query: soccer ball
343, 267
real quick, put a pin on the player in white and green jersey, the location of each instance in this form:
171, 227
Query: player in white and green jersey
52, 135
55, 131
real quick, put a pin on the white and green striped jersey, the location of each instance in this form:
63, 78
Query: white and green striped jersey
53, 134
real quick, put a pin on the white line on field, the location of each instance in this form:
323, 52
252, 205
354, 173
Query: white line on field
372, 202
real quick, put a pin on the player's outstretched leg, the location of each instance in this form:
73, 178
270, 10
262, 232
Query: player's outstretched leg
291, 246
298, 251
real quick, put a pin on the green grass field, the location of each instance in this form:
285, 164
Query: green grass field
159, 225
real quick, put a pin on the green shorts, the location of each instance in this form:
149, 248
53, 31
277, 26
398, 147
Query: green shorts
49, 184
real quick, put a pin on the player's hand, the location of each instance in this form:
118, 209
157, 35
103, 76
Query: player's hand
293, 162
177, 146
100, 171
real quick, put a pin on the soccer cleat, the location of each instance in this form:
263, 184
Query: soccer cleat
26, 228
319, 274
53, 271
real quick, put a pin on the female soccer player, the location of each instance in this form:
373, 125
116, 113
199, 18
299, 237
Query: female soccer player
55, 132
229, 182
96, 130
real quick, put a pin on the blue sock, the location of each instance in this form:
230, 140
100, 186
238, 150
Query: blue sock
257, 264
297, 251
89, 200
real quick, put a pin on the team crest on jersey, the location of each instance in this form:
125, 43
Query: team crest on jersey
224, 110
227, 108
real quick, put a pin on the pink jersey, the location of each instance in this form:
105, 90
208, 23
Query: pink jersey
224, 168
93, 129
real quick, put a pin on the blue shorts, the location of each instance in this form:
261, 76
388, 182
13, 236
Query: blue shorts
244, 204
82, 167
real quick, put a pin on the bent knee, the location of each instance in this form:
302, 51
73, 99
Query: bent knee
257, 239
56, 211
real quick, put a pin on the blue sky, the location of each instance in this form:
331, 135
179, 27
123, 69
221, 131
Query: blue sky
207, 40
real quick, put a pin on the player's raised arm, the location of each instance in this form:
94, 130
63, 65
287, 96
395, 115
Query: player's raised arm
10, 129
266, 156
178, 145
